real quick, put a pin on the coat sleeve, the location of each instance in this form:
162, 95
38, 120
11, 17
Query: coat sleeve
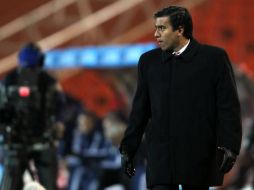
139, 115
229, 127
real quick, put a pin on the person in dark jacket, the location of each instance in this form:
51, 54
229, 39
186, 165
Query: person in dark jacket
32, 96
187, 90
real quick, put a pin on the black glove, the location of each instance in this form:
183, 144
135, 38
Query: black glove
127, 165
228, 161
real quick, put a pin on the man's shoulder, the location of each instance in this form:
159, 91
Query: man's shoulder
150, 57
152, 53
214, 50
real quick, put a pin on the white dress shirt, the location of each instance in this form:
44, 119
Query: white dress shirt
181, 50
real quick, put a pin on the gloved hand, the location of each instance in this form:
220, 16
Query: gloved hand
228, 161
127, 165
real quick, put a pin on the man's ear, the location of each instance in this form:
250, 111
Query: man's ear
180, 31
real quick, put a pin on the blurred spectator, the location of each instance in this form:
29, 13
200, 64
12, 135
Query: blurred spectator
114, 125
85, 151
244, 175
68, 113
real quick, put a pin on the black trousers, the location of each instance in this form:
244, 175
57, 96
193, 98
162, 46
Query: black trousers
176, 187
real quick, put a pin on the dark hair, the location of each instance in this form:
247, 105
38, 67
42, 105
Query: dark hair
179, 17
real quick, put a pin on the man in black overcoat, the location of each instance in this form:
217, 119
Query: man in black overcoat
187, 90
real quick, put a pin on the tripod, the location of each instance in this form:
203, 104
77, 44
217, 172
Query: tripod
15, 163
12, 177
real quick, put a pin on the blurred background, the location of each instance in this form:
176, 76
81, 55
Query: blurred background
92, 48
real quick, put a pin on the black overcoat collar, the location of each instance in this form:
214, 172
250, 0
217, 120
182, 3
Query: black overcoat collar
186, 56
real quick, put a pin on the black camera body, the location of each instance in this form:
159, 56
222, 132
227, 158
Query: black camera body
27, 108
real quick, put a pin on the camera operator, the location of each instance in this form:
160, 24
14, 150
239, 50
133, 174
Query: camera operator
29, 118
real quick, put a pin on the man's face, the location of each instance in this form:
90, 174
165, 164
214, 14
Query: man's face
164, 34
85, 123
